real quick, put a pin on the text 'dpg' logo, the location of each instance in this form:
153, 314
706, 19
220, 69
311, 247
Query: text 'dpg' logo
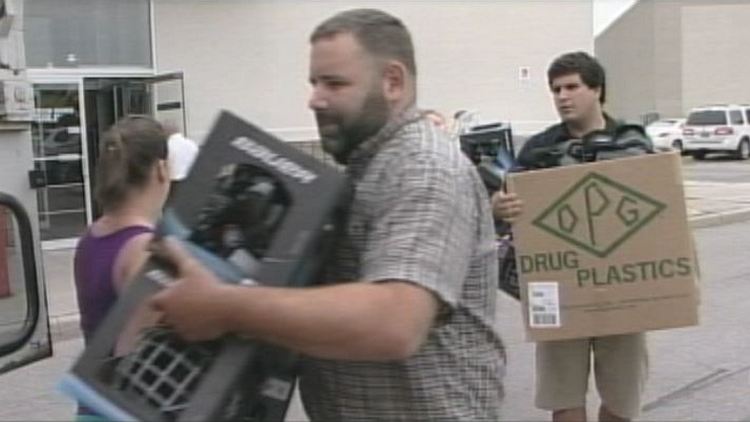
598, 214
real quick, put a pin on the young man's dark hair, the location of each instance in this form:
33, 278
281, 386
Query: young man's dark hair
381, 34
592, 73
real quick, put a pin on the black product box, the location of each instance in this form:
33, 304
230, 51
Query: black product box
254, 209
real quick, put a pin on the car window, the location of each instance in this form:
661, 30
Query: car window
736, 117
707, 117
747, 115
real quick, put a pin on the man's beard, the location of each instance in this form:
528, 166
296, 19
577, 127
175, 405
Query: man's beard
352, 131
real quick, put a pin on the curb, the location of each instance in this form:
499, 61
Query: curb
719, 219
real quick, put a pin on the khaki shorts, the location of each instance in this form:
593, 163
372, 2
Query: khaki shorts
620, 369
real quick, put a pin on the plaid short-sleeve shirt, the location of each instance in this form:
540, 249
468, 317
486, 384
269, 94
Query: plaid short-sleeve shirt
420, 213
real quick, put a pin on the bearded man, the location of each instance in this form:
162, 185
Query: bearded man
404, 326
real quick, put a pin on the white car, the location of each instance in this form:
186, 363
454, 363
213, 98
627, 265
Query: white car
666, 134
718, 128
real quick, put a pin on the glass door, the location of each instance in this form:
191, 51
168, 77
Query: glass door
59, 157
70, 117
107, 100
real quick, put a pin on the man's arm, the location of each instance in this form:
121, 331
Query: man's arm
352, 321
419, 242
506, 206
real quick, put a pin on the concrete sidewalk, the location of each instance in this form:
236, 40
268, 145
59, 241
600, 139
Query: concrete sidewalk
708, 203
715, 203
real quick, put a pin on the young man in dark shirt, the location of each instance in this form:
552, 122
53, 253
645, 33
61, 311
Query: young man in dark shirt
577, 83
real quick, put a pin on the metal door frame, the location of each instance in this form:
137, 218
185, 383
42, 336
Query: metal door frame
78, 82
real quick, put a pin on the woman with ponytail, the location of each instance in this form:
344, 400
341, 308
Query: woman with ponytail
131, 186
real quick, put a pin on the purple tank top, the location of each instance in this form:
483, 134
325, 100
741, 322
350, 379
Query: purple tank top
92, 265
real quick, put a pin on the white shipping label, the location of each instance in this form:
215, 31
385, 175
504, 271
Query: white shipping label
544, 304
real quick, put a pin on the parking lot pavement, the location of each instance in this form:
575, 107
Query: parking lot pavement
30, 393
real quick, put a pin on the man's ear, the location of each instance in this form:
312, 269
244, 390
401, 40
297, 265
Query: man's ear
394, 80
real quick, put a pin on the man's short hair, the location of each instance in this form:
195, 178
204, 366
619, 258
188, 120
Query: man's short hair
381, 34
591, 72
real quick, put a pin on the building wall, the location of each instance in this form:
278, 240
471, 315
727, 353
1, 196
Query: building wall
668, 64
716, 69
626, 50
252, 57
667, 56
16, 155
16, 160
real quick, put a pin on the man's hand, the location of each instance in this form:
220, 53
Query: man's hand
506, 206
194, 303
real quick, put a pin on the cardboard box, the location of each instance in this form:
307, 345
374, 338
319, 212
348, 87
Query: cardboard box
605, 248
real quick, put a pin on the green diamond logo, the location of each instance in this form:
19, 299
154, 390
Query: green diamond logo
598, 214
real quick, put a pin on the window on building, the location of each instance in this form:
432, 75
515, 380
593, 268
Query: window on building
87, 33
